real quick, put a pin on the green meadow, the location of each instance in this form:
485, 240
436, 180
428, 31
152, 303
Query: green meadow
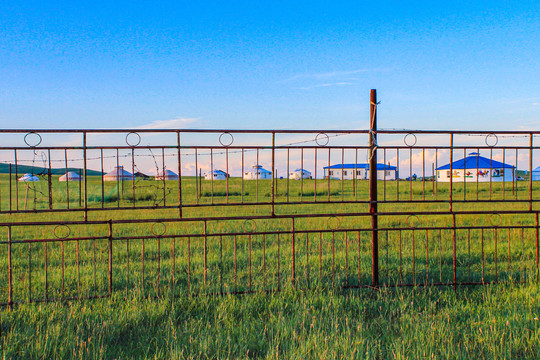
168, 276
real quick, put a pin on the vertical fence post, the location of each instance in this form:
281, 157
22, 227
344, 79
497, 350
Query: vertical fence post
85, 179
10, 271
273, 172
49, 180
110, 258
293, 255
373, 188
179, 175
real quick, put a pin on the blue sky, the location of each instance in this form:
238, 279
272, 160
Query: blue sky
264, 65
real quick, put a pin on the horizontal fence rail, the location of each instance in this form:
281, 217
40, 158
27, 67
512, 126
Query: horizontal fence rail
155, 212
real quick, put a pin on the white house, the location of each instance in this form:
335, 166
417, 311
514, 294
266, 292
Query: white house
257, 172
166, 175
28, 178
118, 174
299, 174
359, 171
216, 175
475, 168
70, 176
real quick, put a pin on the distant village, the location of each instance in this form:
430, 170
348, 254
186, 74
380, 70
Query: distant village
472, 168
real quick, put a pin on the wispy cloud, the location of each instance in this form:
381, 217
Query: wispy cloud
179, 122
309, 81
330, 74
341, 83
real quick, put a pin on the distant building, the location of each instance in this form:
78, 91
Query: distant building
140, 175
216, 175
359, 171
118, 174
257, 172
70, 176
475, 168
299, 174
166, 175
28, 178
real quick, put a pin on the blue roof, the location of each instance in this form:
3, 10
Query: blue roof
304, 170
220, 172
360, 166
474, 161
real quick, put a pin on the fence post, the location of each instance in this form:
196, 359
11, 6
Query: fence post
179, 175
373, 188
110, 258
273, 173
10, 271
84, 179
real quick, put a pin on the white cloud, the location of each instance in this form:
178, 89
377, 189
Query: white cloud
177, 123
342, 83
331, 74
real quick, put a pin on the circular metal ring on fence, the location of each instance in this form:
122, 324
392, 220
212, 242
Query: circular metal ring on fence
26, 140
407, 143
62, 234
138, 139
491, 136
333, 223
322, 139
159, 228
250, 228
495, 219
221, 139
412, 221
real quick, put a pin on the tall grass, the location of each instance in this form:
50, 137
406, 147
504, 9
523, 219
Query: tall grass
156, 315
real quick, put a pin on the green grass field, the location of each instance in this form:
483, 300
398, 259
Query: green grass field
314, 317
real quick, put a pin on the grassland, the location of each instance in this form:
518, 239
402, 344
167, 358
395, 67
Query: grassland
167, 310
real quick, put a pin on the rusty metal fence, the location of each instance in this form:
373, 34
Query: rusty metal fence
187, 212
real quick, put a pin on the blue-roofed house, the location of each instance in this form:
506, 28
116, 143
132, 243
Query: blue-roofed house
216, 175
300, 174
359, 171
475, 168
257, 172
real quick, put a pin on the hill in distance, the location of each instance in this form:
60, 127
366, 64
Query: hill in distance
24, 169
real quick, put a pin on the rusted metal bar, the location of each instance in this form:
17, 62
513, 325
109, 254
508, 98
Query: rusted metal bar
333, 259
29, 272
102, 181
293, 255
49, 180
85, 178
133, 175
249, 261
451, 169
163, 176
179, 155
10, 270
373, 190
454, 258
205, 254
530, 171
16, 182
272, 189
307, 260
110, 258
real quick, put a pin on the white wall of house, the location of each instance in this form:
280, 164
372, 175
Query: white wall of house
217, 176
257, 174
361, 174
297, 175
474, 175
